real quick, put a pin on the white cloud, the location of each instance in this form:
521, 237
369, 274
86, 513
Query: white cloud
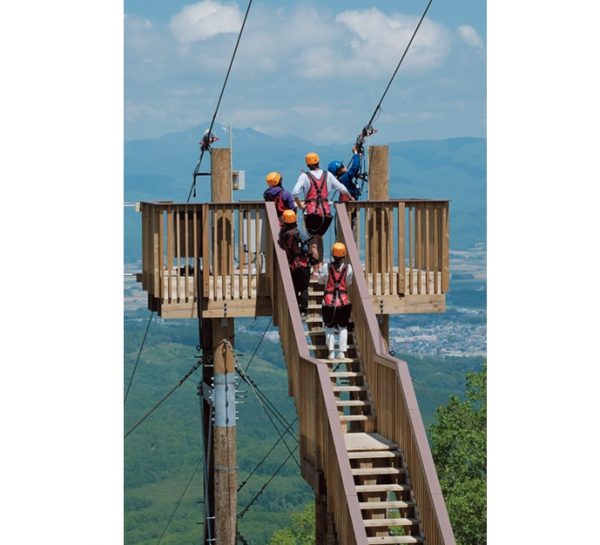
379, 40
201, 21
470, 36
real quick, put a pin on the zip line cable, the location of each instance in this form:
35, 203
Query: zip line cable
179, 501
265, 456
138, 357
266, 484
209, 133
399, 63
165, 397
368, 129
259, 342
263, 399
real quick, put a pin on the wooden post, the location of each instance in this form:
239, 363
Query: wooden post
379, 191
224, 431
222, 481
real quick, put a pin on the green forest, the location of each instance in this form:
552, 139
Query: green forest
162, 453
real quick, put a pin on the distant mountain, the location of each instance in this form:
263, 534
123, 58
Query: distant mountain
454, 169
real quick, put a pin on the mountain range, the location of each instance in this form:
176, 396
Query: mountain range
453, 169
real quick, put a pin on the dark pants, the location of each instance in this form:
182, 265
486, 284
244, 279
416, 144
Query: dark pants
301, 280
336, 316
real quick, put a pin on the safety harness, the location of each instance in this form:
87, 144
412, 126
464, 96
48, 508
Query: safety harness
294, 248
336, 290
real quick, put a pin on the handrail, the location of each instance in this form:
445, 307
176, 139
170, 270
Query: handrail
322, 442
405, 244
390, 386
225, 240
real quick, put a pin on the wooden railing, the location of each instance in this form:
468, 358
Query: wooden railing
226, 241
321, 440
390, 386
404, 245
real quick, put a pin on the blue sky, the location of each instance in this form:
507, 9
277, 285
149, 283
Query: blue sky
315, 70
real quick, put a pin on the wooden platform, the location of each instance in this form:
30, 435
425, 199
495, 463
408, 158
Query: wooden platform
236, 295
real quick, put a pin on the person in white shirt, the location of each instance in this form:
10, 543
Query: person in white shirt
316, 188
336, 307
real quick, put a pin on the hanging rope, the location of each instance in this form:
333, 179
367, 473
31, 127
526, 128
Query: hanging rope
208, 134
138, 357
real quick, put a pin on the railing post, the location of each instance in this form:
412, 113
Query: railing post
379, 190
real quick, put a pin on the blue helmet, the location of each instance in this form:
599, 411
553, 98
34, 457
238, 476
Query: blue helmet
334, 166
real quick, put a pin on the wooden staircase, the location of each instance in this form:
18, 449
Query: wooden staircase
378, 467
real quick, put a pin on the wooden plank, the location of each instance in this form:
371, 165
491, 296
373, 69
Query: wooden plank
446, 249
178, 251
419, 243
368, 441
187, 245
247, 248
370, 523
369, 454
389, 240
240, 254
401, 248
205, 220
435, 249
427, 247
410, 248
196, 263
169, 251
377, 471
257, 264
391, 540
215, 253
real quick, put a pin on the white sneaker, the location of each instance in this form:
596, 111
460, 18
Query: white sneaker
341, 356
331, 356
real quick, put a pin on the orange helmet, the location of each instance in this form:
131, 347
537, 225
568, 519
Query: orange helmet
311, 159
273, 178
289, 216
338, 249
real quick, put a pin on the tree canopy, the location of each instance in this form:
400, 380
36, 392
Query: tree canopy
458, 441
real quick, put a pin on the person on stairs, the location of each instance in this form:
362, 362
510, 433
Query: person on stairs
276, 193
300, 255
316, 186
336, 307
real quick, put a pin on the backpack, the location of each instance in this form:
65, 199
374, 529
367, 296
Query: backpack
278, 200
296, 250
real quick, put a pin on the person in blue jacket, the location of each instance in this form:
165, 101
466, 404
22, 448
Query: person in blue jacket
347, 176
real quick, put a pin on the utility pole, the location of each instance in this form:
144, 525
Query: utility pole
217, 336
379, 191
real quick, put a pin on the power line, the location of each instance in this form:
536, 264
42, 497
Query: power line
179, 501
138, 357
165, 397
203, 149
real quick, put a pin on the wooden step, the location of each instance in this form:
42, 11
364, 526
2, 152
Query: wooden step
374, 454
377, 471
349, 388
368, 441
352, 402
319, 331
385, 540
316, 293
324, 347
313, 320
370, 523
345, 374
386, 504
381, 487
313, 306
355, 417
339, 360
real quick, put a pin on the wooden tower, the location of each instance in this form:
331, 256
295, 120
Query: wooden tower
363, 445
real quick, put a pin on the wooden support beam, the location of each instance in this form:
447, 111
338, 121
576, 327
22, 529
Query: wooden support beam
379, 191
